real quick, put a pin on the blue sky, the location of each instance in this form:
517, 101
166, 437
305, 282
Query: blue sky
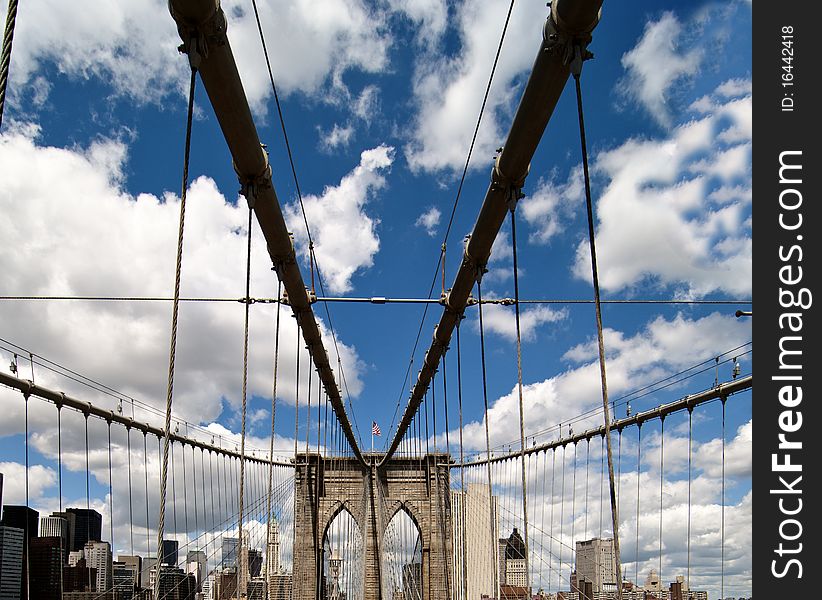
380, 102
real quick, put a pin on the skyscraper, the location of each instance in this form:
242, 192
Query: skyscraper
134, 564
515, 560
88, 527
11, 562
480, 557
229, 552
98, 556
273, 551
46, 567
596, 562
25, 519
56, 526
196, 564
170, 552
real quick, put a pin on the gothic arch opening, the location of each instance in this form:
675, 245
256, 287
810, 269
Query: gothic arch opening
402, 558
343, 558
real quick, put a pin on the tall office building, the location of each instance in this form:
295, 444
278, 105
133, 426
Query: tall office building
480, 559
171, 552
515, 574
196, 564
280, 586
98, 556
135, 565
596, 562
25, 519
56, 526
124, 579
71, 525
255, 562
12, 541
88, 527
46, 567
229, 552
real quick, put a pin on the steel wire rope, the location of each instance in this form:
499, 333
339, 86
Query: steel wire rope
551, 532
240, 580
561, 520
88, 492
574, 509
464, 498
638, 470
5, 57
273, 421
577, 67
519, 380
491, 510
587, 461
661, 479
194, 486
130, 500
722, 525
145, 471
111, 492
441, 258
174, 318
185, 490
690, 455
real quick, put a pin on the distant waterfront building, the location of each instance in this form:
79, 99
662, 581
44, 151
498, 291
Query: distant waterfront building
256, 589
46, 565
596, 562
88, 526
229, 552
255, 562
480, 559
135, 565
124, 579
196, 564
515, 561
171, 552
11, 562
98, 556
273, 550
77, 577
25, 519
56, 526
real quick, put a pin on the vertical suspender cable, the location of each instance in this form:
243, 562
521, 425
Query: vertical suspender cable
661, 477
464, 498
551, 529
487, 444
173, 344
26, 517
194, 489
601, 341
241, 576
519, 389
722, 524
145, 469
268, 557
60, 483
638, 469
690, 447
130, 502
88, 491
111, 492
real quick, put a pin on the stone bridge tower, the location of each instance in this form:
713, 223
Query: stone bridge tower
325, 487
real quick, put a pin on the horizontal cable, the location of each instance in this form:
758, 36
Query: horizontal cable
372, 300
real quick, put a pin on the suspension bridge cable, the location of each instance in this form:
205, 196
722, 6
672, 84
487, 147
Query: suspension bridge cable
241, 579
441, 258
519, 379
491, 511
269, 562
598, 309
5, 57
174, 317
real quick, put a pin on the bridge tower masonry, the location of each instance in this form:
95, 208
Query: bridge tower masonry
325, 487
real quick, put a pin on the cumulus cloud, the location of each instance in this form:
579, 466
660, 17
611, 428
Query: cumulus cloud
133, 46
345, 237
446, 90
501, 320
656, 63
661, 347
429, 220
674, 211
77, 232
338, 136
550, 204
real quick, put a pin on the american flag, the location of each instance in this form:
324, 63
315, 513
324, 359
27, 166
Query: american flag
375, 429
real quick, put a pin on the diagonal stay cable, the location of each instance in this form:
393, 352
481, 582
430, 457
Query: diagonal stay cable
312, 255
441, 259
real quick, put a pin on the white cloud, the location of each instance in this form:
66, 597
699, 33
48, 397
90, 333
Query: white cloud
430, 17
672, 207
551, 203
502, 320
448, 90
76, 232
132, 46
14, 482
338, 136
429, 220
661, 347
345, 237
656, 63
